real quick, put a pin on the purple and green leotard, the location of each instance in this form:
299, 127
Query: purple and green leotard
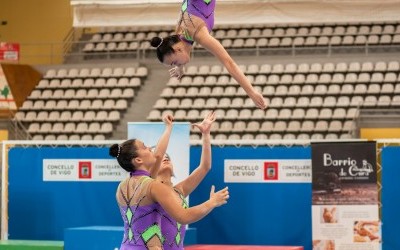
141, 222
204, 9
173, 232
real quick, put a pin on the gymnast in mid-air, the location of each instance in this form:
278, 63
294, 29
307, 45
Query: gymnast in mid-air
195, 24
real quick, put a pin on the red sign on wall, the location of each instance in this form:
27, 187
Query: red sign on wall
9, 51
85, 170
271, 170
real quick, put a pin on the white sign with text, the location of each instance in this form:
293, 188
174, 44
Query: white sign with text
267, 171
82, 170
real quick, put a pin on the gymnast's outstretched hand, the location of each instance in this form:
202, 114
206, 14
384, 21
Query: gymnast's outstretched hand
219, 198
176, 71
205, 125
168, 119
258, 99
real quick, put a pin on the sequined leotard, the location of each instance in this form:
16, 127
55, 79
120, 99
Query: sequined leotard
173, 232
141, 222
203, 9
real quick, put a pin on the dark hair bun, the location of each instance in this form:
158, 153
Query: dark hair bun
155, 41
114, 150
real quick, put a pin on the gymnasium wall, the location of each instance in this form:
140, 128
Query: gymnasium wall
165, 12
38, 25
3, 135
371, 133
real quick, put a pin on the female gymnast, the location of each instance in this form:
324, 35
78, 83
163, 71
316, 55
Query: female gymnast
173, 231
195, 24
142, 198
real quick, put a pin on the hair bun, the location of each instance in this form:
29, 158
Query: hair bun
114, 150
155, 41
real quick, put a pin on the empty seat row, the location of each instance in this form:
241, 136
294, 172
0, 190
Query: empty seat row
108, 104
314, 30
105, 93
115, 47
277, 136
285, 90
70, 128
291, 68
199, 103
260, 115
128, 36
72, 137
287, 79
279, 102
221, 31
123, 82
324, 78
289, 42
291, 102
294, 127
285, 126
271, 93
332, 89
204, 91
96, 72
263, 42
66, 116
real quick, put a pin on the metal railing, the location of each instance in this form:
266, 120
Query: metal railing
71, 50
16, 130
376, 117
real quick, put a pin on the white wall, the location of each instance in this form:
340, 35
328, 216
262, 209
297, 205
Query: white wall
166, 12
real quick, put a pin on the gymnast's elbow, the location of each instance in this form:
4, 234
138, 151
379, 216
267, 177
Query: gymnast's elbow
187, 218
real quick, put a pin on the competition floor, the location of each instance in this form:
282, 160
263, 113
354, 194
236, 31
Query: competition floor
241, 247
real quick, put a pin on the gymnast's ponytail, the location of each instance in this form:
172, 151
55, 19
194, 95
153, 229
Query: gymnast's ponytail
124, 153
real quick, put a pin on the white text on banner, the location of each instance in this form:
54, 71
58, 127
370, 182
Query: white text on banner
268, 171
82, 170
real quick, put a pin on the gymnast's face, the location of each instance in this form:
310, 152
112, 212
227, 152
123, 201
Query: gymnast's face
145, 154
166, 164
179, 58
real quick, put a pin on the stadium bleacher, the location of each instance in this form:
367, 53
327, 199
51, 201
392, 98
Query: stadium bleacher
306, 100
80, 104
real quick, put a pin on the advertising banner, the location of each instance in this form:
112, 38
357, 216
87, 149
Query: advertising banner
82, 170
6, 98
9, 51
345, 211
268, 171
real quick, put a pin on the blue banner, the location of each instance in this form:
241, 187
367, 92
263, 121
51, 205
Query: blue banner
256, 213
40, 210
390, 198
